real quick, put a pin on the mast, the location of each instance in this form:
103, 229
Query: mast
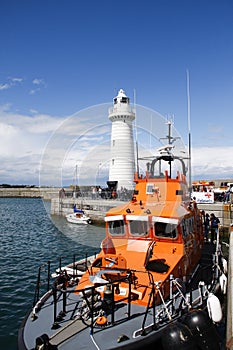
189, 135
136, 132
171, 140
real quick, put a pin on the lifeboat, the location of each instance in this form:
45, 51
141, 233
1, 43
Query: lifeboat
148, 279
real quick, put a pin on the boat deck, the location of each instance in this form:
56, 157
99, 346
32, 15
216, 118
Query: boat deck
67, 326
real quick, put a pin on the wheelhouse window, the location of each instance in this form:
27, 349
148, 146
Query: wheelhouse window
152, 189
138, 226
187, 226
184, 229
149, 188
116, 225
116, 228
165, 227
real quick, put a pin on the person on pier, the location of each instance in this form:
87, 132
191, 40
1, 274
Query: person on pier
214, 226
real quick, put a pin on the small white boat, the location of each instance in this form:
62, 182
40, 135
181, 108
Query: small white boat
78, 217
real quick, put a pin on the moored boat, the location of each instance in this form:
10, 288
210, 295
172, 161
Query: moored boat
154, 278
78, 217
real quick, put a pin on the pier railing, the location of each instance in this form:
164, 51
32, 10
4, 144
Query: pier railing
97, 204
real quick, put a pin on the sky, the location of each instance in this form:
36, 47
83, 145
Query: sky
63, 61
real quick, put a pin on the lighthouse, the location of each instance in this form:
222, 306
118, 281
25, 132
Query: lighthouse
122, 162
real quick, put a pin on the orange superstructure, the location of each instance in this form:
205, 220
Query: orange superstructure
156, 235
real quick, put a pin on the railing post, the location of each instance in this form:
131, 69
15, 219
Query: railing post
55, 325
60, 263
48, 276
92, 310
171, 292
113, 304
74, 265
37, 289
86, 261
151, 295
129, 296
64, 297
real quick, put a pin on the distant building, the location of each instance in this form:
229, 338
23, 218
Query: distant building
122, 162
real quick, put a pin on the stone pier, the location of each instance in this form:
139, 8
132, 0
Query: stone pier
96, 208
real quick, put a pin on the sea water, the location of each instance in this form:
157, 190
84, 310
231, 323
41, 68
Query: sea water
29, 237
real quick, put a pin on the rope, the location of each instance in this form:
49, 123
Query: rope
93, 340
164, 304
182, 295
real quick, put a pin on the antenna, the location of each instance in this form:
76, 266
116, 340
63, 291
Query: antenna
169, 137
136, 131
189, 132
150, 131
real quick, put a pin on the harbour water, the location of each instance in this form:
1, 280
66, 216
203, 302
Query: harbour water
29, 237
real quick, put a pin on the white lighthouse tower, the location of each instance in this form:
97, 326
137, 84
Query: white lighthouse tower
122, 162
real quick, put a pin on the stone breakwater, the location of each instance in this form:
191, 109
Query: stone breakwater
46, 193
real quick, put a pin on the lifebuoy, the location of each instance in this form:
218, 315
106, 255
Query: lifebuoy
101, 321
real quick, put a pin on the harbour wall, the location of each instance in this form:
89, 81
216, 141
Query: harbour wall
46, 193
96, 208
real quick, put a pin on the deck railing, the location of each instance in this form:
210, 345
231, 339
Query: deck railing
63, 285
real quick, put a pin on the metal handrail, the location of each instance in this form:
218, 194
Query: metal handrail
60, 290
48, 278
86, 291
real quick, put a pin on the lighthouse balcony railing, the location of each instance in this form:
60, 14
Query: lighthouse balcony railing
122, 108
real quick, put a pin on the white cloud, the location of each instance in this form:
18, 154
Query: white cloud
44, 149
5, 86
16, 80
37, 81
10, 83
212, 162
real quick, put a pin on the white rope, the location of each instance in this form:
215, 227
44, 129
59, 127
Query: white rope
164, 304
94, 342
178, 286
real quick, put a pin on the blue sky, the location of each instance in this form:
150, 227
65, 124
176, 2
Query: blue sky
60, 57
